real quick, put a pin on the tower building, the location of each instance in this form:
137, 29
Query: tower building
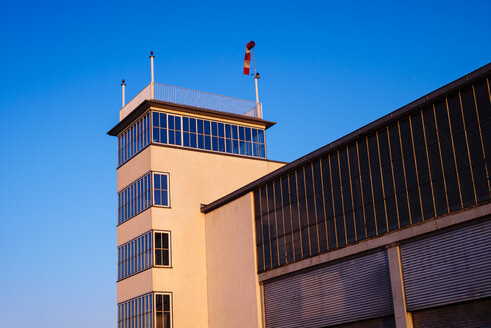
388, 226
177, 149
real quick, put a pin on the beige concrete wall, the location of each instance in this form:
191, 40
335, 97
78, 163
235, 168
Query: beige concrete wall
195, 178
233, 287
134, 227
133, 169
141, 282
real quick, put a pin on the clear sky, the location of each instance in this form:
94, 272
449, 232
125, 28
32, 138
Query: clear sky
327, 69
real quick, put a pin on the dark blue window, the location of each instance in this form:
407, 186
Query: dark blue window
160, 189
134, 139
138, 312
134, 199
192, 133
189, 132
162, 248
135, 256
208, 135
142, 253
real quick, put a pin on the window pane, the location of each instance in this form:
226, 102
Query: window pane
155, 119
164, 199
158, 257
166, 302
192, 124
214, 129
177, 123
163, 136
156, 134
170, 121
165, 241
201, 141
163, 120
200, 126
228, 131
166, 258
156, 181
158, 302
178, 138
167, 320
160, 320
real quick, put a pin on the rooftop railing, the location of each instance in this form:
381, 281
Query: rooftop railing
193, 98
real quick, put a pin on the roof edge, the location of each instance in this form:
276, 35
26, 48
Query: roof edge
147, 103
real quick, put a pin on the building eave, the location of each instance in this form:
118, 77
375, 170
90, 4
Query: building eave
146, 104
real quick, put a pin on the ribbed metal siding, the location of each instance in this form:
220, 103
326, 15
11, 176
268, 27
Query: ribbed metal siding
454, 266
474, 314
383, 322
348, 291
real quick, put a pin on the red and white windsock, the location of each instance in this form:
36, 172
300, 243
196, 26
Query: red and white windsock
247, 58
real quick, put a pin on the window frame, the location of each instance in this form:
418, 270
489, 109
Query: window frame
131, 211
126, 250
134, 138
153, 189
245, 145
171, 306
131, 200
154, 249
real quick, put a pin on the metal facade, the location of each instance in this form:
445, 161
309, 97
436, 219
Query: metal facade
469, 315
352, 290
431, 162
450, 267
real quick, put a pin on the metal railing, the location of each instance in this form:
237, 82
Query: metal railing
194, 98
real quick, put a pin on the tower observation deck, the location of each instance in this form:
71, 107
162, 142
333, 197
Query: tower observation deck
193, 98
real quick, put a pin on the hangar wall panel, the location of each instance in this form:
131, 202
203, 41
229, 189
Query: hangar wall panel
450, 267
348, 291
469, 315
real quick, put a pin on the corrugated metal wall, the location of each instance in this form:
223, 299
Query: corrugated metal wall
475, 314
454, 266
347, 291
383, 322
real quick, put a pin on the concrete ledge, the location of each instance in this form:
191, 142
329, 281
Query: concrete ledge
392, 237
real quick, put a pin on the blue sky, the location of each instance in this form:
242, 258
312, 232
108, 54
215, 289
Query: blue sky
327, 69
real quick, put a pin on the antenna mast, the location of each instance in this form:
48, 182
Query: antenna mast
152, 86
123, 84
256, 75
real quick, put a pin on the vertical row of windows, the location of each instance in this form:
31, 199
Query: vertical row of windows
137, 197
432, 162
137, 312
153, 310
207, 135
134, 199
135, 256
134, 139
139, 254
